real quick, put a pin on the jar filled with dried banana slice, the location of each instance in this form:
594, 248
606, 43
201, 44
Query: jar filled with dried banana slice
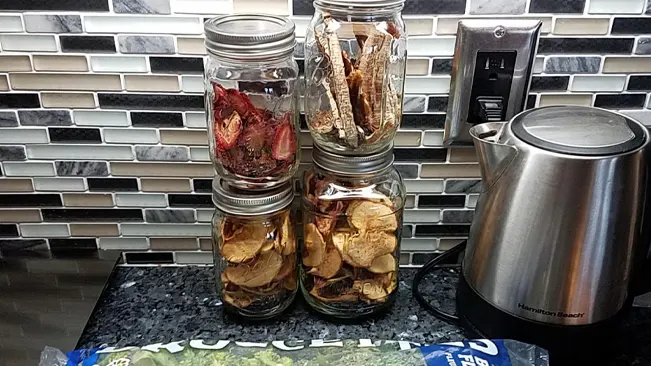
254, 247
352, 224
355, 62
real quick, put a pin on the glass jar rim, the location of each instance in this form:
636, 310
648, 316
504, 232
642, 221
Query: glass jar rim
235, 201
361, 4
353, 165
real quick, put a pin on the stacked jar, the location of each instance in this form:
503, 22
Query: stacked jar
252, 109
353, 197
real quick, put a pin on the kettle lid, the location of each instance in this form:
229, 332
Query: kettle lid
578, 130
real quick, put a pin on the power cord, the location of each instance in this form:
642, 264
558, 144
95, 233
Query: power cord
426, 269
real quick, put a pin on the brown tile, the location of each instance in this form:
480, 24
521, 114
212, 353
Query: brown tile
419, 26
94, 230
4, 84
16, 185
191, 46
448, 25
60, 63
305, 139
449, 171
15, 63
151, 83
463, 155
565, 99
405, 259
87, 199
167, 244
418, 66
580, 25
627, 64
44, 81
20, 216
68, 100
410, 201
205, 244
183, 137
165, 185
407, 139
162, 170
277, 7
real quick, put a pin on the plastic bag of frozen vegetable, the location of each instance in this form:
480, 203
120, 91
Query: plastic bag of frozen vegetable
313, 353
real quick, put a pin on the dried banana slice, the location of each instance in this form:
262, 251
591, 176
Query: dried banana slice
315, 246
364, 248
371, 216
330, 266
259, 273
246, 244
383, 264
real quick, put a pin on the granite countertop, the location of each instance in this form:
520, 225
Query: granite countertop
146, 305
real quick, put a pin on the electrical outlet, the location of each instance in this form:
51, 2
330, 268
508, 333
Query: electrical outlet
491, 74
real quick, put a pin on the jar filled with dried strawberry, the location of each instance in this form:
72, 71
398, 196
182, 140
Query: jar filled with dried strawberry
252, 99
352, 224
254, 247
355, 62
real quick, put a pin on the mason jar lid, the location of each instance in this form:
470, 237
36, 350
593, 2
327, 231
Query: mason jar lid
250, 203
353, 165
250, 36
360, 3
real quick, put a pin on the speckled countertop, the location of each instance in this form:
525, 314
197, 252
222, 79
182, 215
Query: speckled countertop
145, 305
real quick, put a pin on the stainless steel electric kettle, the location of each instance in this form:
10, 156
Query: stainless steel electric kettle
557, 236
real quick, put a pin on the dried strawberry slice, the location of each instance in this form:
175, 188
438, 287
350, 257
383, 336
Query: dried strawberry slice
253, 137
228, 130
284, 144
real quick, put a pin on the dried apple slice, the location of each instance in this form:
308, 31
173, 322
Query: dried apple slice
315, 246
371, 290
364, 248
285, 242
340, 241
368, 215
289, 266
383, 264
346, 297
238, 299
330, 266
229, 229
258, 273
246, 244
290, 283
324, 224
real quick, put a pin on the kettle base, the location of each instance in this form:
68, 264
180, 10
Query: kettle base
566, 344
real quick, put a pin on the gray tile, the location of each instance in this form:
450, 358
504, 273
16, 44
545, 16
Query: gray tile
12, 153
82, 168
557, 6
643, 46
442, 66
53, 23
463, 186
165, 216
648, 7
45, 118
579, 65
413, 104
407, 171
407, 231
437, 104
161, 153
497, 6
146, 44
142, 6
457, 216
420, 7
8, 119
299, 50
302, 7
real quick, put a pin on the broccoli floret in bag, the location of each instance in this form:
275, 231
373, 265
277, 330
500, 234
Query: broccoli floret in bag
107, 358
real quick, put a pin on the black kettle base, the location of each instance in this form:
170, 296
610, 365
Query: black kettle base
567, 345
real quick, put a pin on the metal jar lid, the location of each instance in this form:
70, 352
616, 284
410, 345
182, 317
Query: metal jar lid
250, 203
250, 36
360, 3
353, 165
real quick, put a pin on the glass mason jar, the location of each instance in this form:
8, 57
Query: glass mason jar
254, 248
252, 99
355, 62
352, 225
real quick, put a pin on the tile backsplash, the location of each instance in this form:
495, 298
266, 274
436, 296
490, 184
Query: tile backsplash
102, 131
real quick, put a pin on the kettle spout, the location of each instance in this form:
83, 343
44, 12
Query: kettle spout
494, 157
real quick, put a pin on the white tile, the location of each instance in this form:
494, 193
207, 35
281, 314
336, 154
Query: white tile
424, 185
130, 136
60, 184
194, 257
592, 83
640, 115
433, 138
195, 120
123, 243
539, 65
192, 84
100, 118
427, 85
202, 6
166, 229
50, 152
424, 216
44, 230
419, 26
439, 46
140, 200
28, 169
23, 135
472, 200
199, 154
10, 23
418, 245
10, 42
205, 215
616, 6
301, 25
118, 64
142, 24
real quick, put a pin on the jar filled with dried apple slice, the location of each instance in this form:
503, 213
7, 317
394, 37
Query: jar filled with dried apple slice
252, 99
352, 224
355, 65
254, 247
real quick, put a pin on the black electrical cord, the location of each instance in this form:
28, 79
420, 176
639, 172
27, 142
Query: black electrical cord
426, 269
